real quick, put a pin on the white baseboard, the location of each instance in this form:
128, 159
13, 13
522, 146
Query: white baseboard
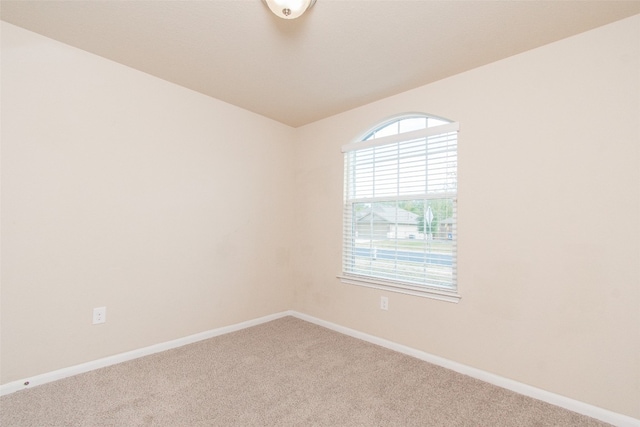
59, 374
601, 414
524, 389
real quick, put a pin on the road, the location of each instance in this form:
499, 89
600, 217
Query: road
408, 256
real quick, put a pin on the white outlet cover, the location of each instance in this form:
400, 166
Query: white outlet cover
99, 315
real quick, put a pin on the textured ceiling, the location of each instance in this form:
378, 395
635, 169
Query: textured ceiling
340, 55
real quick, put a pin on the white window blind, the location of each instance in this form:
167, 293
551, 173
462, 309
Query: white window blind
400, 208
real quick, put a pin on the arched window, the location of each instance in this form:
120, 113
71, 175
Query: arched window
400, 200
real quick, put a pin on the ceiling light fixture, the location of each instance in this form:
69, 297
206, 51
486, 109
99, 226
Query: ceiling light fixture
289, 9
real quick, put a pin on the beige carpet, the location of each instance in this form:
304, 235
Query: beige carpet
287, 372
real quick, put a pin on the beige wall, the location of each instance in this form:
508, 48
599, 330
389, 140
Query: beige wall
549, 220
122, 190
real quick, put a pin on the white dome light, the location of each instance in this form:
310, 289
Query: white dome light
289, 9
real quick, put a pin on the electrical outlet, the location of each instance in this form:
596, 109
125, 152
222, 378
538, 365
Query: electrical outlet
384, 303
99, 315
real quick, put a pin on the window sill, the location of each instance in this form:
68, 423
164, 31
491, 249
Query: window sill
439, 294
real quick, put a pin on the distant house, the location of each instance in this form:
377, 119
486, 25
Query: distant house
386, 222
444, 229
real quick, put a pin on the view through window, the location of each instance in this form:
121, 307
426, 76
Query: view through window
400, 206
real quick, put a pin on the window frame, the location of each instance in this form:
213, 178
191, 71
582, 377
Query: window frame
367, 141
